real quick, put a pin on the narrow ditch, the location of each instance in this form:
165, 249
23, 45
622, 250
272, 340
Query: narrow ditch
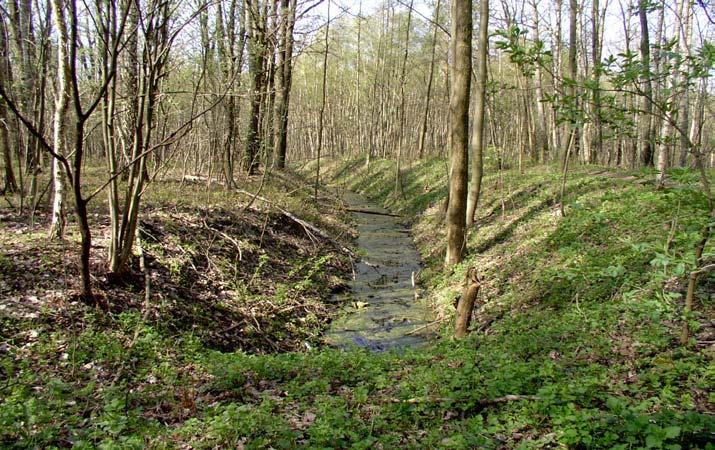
382, 310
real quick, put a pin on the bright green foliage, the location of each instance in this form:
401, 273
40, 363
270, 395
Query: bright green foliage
579, 314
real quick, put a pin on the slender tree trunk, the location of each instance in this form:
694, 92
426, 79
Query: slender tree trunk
573, 136
645, 135
358, 77
461, 49
57, 227
10, 184
597, 143
479, 110
226, 42
430, 80
322, 104
696, 128
255, 24
684, 44
403, 74
540, 122
557, 136
110, 141
667, 127
286, 76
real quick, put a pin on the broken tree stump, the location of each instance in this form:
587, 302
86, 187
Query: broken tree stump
466, 303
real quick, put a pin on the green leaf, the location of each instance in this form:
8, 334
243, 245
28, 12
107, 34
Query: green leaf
672, 432
653, 441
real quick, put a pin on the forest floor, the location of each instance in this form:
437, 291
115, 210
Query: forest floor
574, 343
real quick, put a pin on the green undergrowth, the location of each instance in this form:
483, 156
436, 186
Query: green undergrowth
225, 273
574, 342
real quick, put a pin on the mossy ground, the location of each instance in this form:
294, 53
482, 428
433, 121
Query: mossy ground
579, 315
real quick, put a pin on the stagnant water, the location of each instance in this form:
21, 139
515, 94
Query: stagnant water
381, 311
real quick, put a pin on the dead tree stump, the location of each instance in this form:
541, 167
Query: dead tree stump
466, 303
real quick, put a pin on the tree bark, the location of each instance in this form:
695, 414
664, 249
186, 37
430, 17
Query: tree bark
542, 144
10, 184
57, 227
321, 116
255, 24
430, 81
461, 74
479, 108
401, 132
597, 143
285, 77
466, 303
645, 120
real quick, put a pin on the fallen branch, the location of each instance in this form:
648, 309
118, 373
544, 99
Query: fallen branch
367, 211
202, 179
225, 236
425, 326
307, 226
482, 402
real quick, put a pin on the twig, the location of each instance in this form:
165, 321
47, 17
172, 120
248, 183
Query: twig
482, 402
708, 268
227, 237
673, 227
425, 326
8, 201
260, 188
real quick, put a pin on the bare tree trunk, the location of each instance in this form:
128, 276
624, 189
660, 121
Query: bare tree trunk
430, 80
573, 136
57, 227
479, 109
597, 143
226, 43
684, 44
645, 132
401, 132
255, 24
323, 101
461, 49
10, 184
285, 76
696, 128
540, 122
667, 127
557, 135
111, 140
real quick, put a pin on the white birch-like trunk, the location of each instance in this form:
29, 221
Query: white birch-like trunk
59, 136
